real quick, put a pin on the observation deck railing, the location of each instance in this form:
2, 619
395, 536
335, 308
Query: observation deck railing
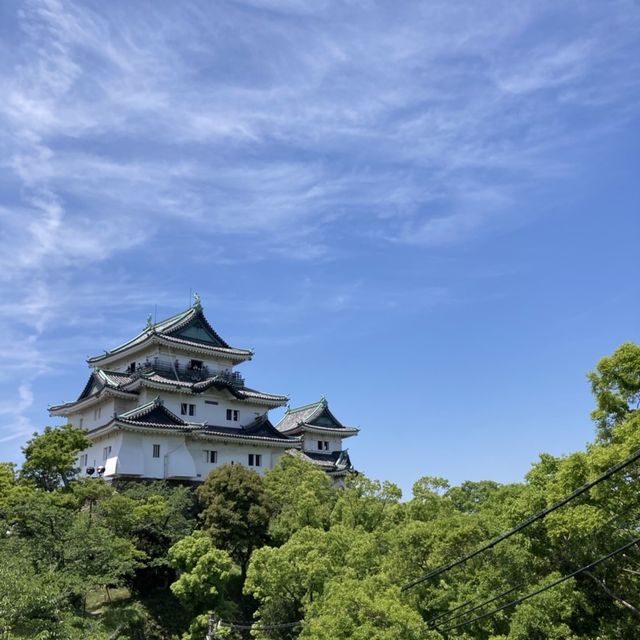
185, 372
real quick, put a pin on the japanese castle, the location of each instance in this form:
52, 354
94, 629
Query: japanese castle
169, 404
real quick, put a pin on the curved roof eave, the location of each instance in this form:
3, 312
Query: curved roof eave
151, 338
69, 407
344, 432
178, 386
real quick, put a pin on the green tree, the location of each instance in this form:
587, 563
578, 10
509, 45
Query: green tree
470, 497
95, 556
32, 603
154, 516
594, 524
367, 609
7, 483
427, 502
50, 457
204, 575
366, 503
43, 518
236, 511
615, 383
286, 580
548, 616
65, 534
302, 496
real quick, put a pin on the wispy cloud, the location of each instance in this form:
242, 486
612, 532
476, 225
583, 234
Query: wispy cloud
273, 115
233, 132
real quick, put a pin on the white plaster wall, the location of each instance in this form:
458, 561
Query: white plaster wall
121, 405
180, 456
74, 419
95, 454
310, 442
146, 395
130, 454
231, 453
86, 420
107, 408
213, 414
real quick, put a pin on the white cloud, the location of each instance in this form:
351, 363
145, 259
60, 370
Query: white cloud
374, 121
234, 132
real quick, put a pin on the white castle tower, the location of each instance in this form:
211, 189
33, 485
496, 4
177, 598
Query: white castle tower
168, 404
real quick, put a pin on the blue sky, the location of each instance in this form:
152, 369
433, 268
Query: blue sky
426, 211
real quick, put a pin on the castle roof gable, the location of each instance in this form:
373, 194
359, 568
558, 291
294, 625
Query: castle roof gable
152, 413
189, 329
315, 417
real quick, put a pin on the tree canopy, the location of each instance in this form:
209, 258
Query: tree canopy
50, 456
235, 511
82, 558
615, 383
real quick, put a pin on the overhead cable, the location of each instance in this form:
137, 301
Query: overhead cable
525, 523
247, 626
447, 614
555, 583
449, 618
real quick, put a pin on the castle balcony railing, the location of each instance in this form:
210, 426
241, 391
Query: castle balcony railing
185, 372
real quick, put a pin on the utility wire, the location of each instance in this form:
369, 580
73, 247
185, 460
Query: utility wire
247, 626
432, 622
525, 523
541, 590
449, 617
492, 543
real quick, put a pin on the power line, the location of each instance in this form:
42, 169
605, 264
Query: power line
449, 617
541, 590
216, 623
247, 626
525, 523
446, 614
213, 623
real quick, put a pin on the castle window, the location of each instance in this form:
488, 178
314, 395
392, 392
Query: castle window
96, 413
210, 456
232, 414
156, 450
187, 409
132, 367
323, 445
83, 460
255, 460
196, 364
106, 452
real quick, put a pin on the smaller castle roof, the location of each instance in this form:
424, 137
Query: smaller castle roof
334, 463
260, 428
315, 418
153, 414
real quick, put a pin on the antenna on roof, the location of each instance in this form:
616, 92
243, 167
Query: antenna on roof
190, 297
155, 314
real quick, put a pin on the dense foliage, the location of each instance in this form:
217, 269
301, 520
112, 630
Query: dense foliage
80, 558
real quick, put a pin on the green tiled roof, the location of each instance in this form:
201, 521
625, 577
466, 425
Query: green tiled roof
189, 328
315, 416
